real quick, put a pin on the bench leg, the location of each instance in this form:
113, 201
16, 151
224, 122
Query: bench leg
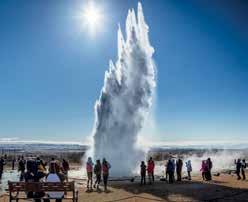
10, 197
77, 196
74, 196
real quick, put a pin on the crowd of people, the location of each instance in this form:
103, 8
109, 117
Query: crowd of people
176, 166
36, 170
149, 169
100, 170
240, 168
206, 168
172, 166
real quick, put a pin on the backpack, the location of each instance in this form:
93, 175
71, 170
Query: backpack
89, 167
105, 168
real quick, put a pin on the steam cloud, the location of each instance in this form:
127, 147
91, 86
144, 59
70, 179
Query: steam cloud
125, 98
223, 160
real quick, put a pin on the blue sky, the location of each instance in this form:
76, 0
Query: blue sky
52, 70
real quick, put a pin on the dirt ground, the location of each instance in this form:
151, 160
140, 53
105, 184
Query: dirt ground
222, 188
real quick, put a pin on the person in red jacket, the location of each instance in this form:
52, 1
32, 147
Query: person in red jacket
89, 169
150, 170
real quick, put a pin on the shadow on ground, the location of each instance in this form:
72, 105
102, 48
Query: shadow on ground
182, 191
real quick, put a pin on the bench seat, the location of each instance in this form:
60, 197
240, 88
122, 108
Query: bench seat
15, 188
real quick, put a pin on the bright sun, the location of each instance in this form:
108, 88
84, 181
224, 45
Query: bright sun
92, 17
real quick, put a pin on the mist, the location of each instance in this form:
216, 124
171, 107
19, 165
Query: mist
223, 160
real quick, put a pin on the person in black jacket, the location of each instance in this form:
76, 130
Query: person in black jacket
170, 169
143, 173
98, 173
238, 168
2, 163
179, 166
209, 169
243, 167
22, 167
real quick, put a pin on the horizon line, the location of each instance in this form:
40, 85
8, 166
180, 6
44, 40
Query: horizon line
151, 144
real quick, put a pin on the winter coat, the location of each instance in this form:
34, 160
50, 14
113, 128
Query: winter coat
150, 166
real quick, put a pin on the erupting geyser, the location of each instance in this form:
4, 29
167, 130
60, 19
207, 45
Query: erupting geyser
126, 98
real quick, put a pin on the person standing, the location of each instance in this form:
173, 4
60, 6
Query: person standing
243, 167
66, 168
209, 169
170, 170
13, 163
179, 166
89, 169
98, 173
150, 170
143, 173
174, 168
2, 163
105, 172
238, 168
189, 169
22, 167
166, 171
204, 169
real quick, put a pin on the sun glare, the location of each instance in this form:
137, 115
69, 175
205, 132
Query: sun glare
92, 17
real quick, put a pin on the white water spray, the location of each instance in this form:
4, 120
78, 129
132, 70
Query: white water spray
125, 98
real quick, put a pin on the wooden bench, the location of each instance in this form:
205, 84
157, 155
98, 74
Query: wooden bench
18, 190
